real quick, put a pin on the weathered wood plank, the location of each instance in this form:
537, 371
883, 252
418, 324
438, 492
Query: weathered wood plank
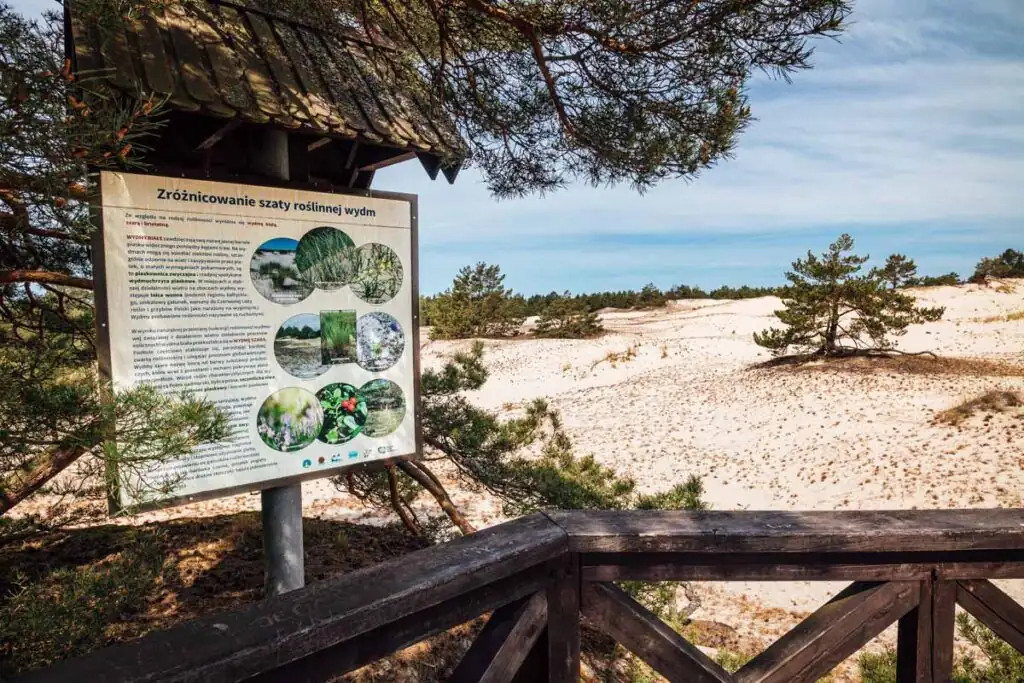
327, 664
834, 632
777, 531
227, 69
229, 22
190, 63
632, 625
154, 58
116, 57
995, 609
535, 668
286, 628
362, 94
914, 641
563, 626
86, 55
385, 94
314, 91
504, 643
277, 62
776, 566
322, 63
943, 629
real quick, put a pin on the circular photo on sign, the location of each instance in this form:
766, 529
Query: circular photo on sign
325, 258
380, 341
378, 273
274, 273
385, 406
290, 419
344, 412
338, 337
298, 346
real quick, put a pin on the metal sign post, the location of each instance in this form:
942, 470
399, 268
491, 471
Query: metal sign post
280, 507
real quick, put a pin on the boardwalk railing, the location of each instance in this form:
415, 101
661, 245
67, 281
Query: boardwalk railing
542, 575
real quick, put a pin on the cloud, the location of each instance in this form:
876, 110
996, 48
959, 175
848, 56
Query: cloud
907, 134
878, 144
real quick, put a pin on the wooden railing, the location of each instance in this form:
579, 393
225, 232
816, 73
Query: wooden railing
541, 575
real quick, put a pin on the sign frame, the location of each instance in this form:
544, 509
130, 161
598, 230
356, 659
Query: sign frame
115, 504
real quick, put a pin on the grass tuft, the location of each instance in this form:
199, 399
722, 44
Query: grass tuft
995, 401
1007, 318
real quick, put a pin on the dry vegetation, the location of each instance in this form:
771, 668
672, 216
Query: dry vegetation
613, 358
1007, 318
907, 365
995, 401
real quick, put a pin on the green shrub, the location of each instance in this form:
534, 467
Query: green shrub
74, 610
1001, 664
568, 318
477, 305
1008, 264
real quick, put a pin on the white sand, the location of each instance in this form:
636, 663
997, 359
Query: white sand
765, 440
762, 440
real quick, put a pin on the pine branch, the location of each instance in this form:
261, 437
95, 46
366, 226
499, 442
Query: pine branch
425, 478
399, 505
45, 277
44, 467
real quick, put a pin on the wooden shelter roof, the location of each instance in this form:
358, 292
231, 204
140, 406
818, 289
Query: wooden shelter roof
229, 60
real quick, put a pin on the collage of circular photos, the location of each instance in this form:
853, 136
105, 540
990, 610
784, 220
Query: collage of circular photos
286, 271
306, 345
293, 418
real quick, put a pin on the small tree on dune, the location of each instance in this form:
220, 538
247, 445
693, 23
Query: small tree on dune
898, 271
477, 305
831, 309
568, 318
1008, 264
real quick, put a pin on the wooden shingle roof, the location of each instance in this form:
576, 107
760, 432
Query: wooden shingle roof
225, 59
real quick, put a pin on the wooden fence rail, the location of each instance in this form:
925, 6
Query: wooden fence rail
540, 576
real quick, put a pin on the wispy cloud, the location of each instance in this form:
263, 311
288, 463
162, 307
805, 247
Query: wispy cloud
908, 134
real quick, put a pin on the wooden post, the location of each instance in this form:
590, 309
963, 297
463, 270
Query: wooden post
943, 627
280, 507
564, 623
924, 649
914, 641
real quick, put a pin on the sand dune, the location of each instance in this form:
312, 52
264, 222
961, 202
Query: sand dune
689, 403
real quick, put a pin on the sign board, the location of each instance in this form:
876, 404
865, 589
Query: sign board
292, 311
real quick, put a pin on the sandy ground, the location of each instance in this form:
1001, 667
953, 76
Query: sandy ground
689, 403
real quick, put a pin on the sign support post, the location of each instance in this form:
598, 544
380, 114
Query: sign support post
280, 507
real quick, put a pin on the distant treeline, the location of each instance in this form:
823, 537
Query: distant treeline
1009, 264
650, 296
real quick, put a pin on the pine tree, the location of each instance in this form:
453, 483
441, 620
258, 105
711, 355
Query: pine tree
54, 126
477, 305
568, 318
1009, 264
601, 91
898, 271
831, 309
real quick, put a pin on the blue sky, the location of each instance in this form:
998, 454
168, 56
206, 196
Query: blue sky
908, 134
